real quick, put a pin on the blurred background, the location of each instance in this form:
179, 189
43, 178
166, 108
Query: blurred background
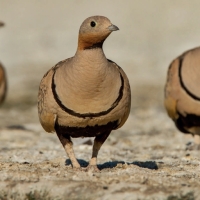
40, 33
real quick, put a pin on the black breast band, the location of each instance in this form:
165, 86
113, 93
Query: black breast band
84, 115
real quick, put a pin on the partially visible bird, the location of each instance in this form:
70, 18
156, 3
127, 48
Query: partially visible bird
86, 95
3, 82
182, 93
1, 23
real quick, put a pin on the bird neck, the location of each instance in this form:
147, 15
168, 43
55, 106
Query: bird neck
92, 59
94, 46
89, 41
90, 69
87, 45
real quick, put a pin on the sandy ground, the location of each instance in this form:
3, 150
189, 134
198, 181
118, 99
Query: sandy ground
147, 157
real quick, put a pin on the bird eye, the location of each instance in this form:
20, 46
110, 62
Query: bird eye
92, 24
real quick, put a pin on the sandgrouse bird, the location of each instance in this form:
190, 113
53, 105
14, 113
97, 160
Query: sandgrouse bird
3, 83
86, 95
182, 93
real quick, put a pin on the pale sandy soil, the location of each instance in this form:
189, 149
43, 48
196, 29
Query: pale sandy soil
147, 158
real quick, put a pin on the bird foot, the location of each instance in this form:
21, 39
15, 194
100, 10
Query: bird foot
92, 168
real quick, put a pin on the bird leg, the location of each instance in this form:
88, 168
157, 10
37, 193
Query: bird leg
68, 146
99, 140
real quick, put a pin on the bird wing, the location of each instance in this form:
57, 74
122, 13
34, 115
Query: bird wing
47, 107
171, 90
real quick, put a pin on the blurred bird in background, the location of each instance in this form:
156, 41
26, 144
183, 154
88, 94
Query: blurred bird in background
182, 94
3, 81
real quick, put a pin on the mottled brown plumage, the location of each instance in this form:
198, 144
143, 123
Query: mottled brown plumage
182, 92
86, 95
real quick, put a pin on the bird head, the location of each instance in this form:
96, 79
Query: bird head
93, 32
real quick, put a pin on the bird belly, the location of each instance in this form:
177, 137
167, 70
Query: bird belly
88, 131
189, 124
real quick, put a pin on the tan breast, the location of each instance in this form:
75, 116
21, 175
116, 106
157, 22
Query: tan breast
88, 88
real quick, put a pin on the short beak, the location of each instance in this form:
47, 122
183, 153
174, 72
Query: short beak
113, 28
1, 23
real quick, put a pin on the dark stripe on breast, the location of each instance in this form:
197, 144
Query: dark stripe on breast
84, 115
94, 46
181, 81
